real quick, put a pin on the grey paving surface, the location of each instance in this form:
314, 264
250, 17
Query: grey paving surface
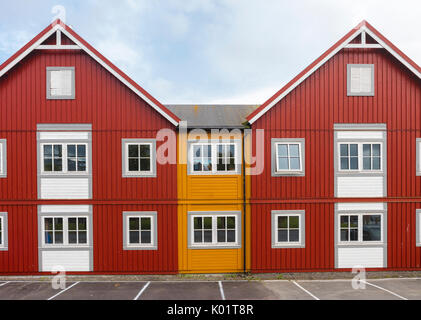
28, 291
343, 290
407, 288
102, 291
182, 291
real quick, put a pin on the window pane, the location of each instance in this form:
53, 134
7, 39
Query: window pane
197, 223
282, 150
295, 163
353, 221
376, 150
294, 150
198, 236
48, 151
230, 236
207, 236
220, 222
145, 237
282, 222
81, 164
221, 236
133, 164
283, 164
48, 223
72, 237
353, 150
49, 237
376, 163
207, 164
197, 166
145, 165
82, 224
133, 224
71, 150
294, 222
220, 152
231, 164
58, 237
72, 223
57, 150
344, 150
134, 237
344, 221
82, 237
366, 150
353, 234
58, 224
371, 228
145, 150
344, 164
293, 235
282, 235
71, 165
231, 151
354, 163
145, 223
133, 150
367, 163
207, 222
344, 234
48, 165
231, 222
81, 150
58, 165
197, 151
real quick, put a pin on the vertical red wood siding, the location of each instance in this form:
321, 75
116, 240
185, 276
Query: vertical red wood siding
115, 112
310, 112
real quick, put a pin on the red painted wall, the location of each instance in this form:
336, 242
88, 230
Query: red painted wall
115, 112
310, 112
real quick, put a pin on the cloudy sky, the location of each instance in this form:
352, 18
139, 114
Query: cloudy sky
212, 51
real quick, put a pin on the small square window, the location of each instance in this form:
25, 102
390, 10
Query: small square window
360, 79
288, 228
288, 157
139, 157
140, 230
60, 82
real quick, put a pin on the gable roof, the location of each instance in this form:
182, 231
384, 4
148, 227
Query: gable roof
209, 116
59, 28
363, 29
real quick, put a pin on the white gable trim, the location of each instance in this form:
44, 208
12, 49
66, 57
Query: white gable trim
58, 27
322, 62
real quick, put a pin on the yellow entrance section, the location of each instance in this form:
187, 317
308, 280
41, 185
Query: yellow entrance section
207, 193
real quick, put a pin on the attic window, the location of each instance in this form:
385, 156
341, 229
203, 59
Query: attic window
60, 82
360, 79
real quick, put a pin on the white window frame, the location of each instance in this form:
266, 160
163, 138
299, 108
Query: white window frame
3, 158
301, 229
418, 227
2, 230
360, 157
214, 244
289, 158
125, 158
360, 93
360, 228
64, 158
214, 157
418, 156
72, 83
126, 230
65, 243
274, 155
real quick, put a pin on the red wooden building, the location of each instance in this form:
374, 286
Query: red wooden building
78, 144
341, 186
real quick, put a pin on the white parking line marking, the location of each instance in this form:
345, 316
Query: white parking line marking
221, 289
141, 291
57, 294
1, 285
305, 290
378, 287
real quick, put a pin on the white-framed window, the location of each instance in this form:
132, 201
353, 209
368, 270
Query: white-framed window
418, 156
60, 82
3, 158
140, 230
360, 156
288, 228
64, 158
3, 231
66, 231
288, 156
418, 227
214, 229
214, 157
357, 228
360, 80
139, 157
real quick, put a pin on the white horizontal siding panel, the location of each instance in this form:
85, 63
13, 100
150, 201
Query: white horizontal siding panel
360, 134
366, 257
64, 188
65, 135
360, 186
64, 208
69, 260
365, 206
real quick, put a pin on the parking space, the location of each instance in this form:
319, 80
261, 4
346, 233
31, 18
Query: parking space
182, 291
343, 290
381, 289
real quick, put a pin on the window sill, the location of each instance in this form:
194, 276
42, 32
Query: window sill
214, 246
286, 246
288, 173
140, 248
